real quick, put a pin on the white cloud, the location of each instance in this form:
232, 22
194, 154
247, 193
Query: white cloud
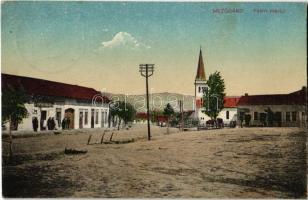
124, 39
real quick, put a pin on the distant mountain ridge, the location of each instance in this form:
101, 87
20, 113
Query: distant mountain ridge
158, 101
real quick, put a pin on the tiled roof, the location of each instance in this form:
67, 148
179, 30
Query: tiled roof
231, 102
295, 98
34, 86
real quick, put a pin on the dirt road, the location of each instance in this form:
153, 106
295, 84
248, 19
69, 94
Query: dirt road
237, 163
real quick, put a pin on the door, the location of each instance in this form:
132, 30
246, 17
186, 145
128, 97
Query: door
80, 119
69, 114
43, 118
278, 118
103, 119
92, 118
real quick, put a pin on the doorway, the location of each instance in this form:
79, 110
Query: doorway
278, 118
80, 119
92, 118
69, 114
103, 119
43, 118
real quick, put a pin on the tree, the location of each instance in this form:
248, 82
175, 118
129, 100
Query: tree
168, 112
124, 111
215, 95
13, 109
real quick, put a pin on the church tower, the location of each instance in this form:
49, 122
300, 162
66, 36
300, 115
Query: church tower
200, 85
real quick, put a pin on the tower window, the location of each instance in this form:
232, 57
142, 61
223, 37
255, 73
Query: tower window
204, 89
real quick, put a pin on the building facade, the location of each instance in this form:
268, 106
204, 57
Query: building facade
229, 113
273, 110
68, 106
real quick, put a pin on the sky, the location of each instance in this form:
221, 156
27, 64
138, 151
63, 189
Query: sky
259, 49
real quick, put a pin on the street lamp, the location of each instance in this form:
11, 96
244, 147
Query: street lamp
146, 71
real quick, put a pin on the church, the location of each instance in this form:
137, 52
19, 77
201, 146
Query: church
228, 113
288, 110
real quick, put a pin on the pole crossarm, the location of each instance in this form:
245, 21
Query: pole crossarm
146, 70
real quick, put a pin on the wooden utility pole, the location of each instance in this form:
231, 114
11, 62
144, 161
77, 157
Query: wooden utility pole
182, 113
146, 71
181, 127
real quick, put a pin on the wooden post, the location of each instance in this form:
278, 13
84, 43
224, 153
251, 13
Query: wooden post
102, 139
110, 139
89, 139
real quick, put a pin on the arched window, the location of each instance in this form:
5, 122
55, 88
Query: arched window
227, 114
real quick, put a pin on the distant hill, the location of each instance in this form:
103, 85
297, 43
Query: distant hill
157, 100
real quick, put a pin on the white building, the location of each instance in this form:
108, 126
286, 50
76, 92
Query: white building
82, 107
274, 109
229, 112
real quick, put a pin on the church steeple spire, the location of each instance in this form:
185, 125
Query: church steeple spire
200, 71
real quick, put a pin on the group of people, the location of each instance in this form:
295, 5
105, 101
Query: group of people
51, 124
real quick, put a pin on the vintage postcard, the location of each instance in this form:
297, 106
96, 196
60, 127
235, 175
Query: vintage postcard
153, 99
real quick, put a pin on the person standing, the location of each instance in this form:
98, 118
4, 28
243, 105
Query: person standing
63, 124
35, 124
52, 124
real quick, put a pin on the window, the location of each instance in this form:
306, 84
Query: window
294, 115
86, 117
58, 116
277, 116
241, 116
203, 90
288, 117
227, 114
263, 118
255, 116
199, 89
96, 117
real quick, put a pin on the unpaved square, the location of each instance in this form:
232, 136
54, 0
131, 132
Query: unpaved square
237, 163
